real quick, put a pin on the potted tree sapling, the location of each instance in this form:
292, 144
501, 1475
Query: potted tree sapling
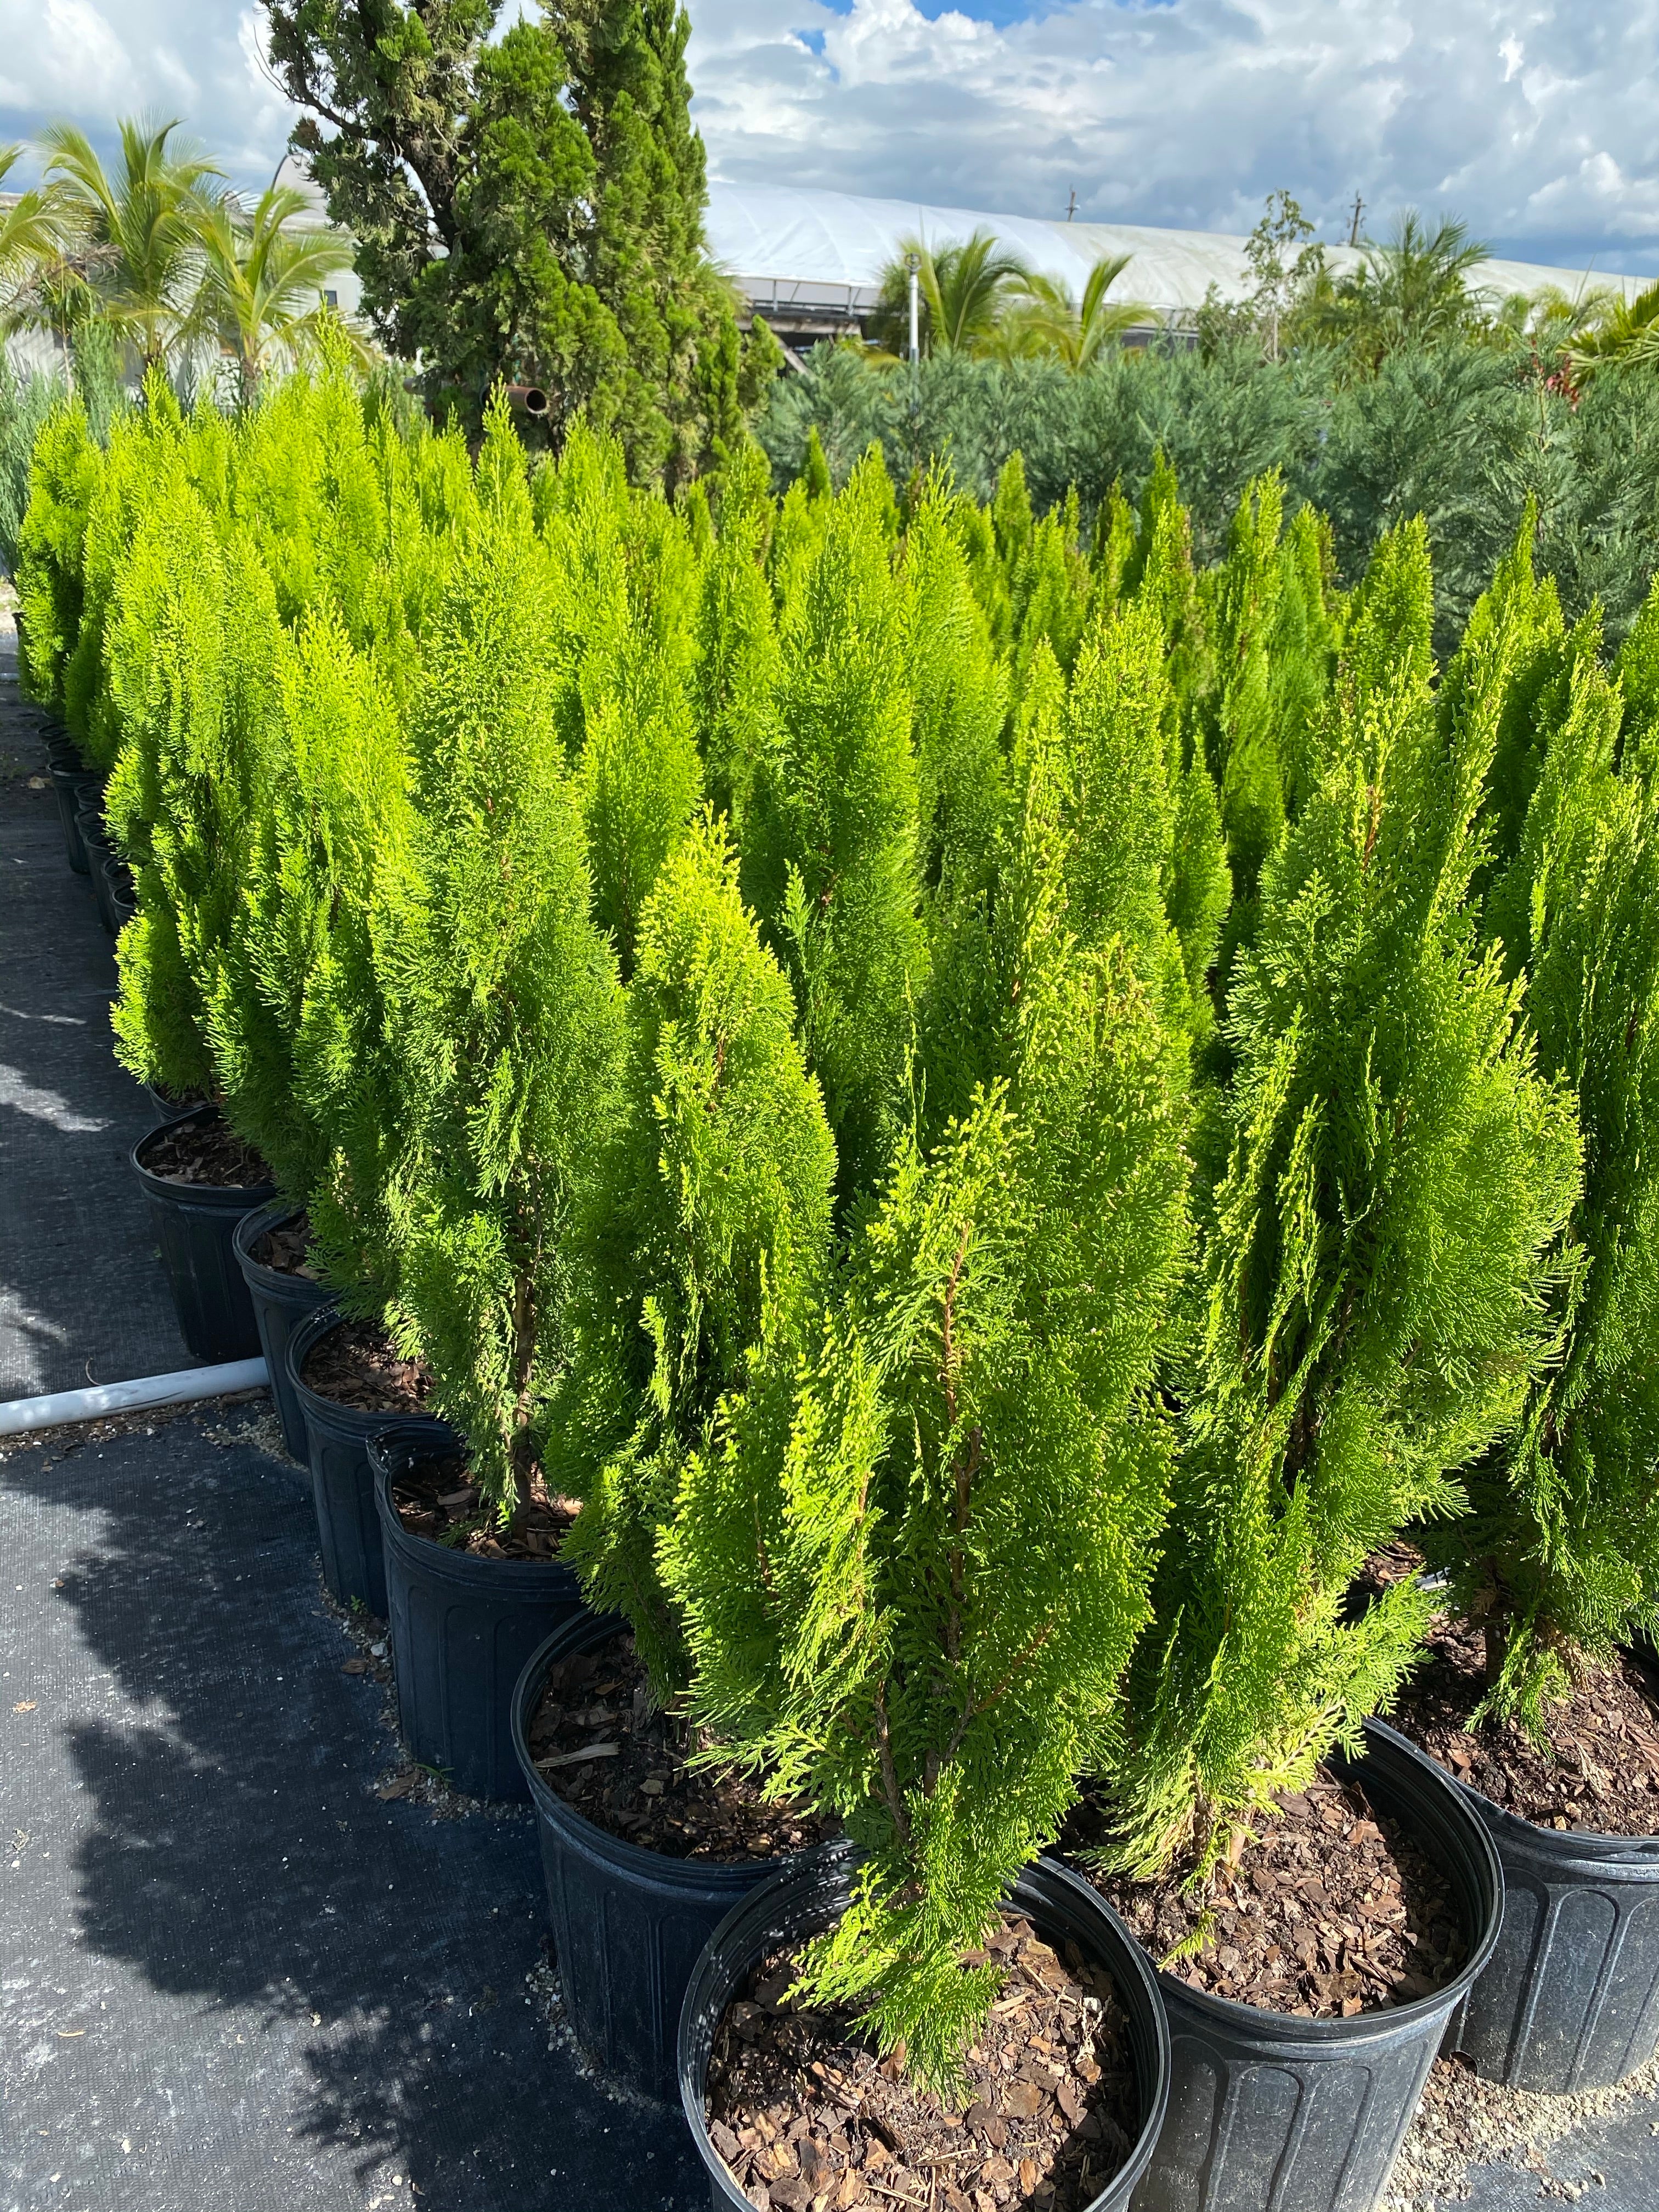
503, 1020
703, 1244
1540, 1693
1370, 1306
911, 1570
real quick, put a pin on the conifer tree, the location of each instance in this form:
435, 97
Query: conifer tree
736, 671
911, 1570
704, 1243
1377, 1264
502, 1007
64, 476
1561, 1556
832, 863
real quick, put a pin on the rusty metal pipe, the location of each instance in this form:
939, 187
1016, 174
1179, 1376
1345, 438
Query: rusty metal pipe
530, 397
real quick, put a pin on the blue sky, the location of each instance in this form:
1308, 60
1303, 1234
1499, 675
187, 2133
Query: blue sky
1532, 121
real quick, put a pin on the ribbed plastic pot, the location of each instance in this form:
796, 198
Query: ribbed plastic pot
1570, 2000
69, 785
462, 1629
809, 1895
338, 1438
1271, 2110
629, 1925
281, 1302
195, 1223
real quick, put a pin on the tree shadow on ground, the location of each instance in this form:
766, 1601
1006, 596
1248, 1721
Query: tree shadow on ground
237, 1856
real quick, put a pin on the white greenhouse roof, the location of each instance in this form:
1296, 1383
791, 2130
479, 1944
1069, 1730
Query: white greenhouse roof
798, 248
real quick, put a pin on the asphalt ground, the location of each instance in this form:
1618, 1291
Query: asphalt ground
236, 1975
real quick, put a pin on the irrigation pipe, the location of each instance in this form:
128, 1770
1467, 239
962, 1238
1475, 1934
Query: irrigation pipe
19, 1415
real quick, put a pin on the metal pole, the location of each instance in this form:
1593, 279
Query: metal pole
913, 262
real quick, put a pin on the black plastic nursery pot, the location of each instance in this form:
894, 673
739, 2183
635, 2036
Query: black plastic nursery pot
1570, 2001
462, 1629
69, 787
1267, 2108
194, 1223
811, 1895
629, 1925
118, 895
338, 1438
280, 1302
170, 1109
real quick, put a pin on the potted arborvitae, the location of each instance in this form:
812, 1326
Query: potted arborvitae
192, 643
501, 1029
1371, 1307
1541, 1693
911, 1570
703, 1245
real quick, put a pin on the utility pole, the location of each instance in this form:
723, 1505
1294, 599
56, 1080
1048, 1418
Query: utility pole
1071, 209
1353, 227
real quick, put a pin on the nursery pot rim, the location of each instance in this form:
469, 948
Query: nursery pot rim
442, 1561
576, 1830
221, 1197
1377, 2022
1597, 1845
252, 1225
1124, 1959
303, 1342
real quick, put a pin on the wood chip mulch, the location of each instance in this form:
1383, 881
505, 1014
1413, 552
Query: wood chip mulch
287, 1247
624, 1765
1600, 1770
437, 1498
205, 1152
808, 2120
1334, 1909
357, 1366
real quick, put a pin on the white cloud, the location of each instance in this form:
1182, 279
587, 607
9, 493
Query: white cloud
1531, 118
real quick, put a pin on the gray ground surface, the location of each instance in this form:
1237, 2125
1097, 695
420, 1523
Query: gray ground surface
233, 1978
82, 1297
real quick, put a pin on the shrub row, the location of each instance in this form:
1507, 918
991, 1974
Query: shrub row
1001, 1114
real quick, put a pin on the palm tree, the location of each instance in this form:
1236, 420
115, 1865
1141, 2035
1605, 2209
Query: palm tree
138, 235
1048, 320
263, 283
1411, 289
964, 287
1627, 334
32, 241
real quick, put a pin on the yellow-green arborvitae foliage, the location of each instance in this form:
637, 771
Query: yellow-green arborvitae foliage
1561, 1557
705, 1242
1377, 1263
911, 1570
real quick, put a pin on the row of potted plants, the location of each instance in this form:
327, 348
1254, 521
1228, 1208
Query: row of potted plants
963, 1198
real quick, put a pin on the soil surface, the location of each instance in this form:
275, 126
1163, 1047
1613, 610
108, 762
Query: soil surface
1600, 1770
205, 1152
1334, 1909
287, 1247
624, 1766
804, 2115
355, 1365
436, 1498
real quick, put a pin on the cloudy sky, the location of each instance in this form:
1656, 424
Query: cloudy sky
1533, 122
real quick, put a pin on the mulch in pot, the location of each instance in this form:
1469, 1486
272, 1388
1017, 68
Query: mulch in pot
1599, 1770
357, 1366
436, 1498
624, 1765
804, 2114
286, 1250
205, 1152
1335, 1909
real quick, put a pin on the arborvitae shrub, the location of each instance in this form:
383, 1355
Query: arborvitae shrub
1375, 1264
705, 1239
832, 863
1562, 1554
911, 1572
502, 1008
736, 669
64, 479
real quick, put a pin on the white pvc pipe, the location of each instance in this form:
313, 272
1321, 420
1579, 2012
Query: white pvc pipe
18, 1415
